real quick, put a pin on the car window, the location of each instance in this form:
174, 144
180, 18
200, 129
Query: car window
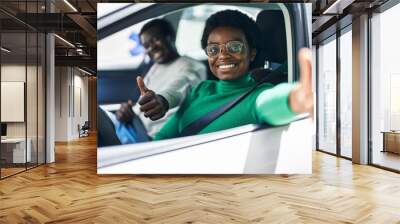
121, 50
130, 54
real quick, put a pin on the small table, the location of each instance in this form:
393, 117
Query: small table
13, 150
391, 141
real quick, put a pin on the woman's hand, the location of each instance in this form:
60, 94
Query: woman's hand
301, 99
153, 105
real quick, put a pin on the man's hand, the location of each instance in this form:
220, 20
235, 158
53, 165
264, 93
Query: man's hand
153, 105
125, 113
301, 98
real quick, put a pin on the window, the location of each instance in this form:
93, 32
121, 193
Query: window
327, 96
22, 68
385, 88
119, 64
346, 93
128, 55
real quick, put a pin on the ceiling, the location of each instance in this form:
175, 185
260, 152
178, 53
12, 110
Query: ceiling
331, 15
76, 23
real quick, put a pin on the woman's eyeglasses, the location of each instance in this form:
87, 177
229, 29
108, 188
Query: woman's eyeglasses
232, 47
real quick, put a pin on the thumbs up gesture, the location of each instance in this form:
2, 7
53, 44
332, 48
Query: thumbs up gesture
142, 87
153, 105
301, 98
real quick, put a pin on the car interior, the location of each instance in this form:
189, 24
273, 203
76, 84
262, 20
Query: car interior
119, 85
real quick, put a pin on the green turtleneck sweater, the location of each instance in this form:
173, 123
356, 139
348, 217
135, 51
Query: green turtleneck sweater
265, 104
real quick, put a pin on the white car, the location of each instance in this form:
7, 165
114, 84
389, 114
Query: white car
250, 149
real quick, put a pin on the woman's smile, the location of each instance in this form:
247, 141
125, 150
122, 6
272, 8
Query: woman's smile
226, 67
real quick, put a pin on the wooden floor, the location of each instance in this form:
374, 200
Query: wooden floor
10, 171
70, 191
387, 159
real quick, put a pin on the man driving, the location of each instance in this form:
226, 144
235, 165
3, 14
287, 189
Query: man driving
171, 76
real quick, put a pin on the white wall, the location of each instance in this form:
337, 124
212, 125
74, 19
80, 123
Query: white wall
61, 103
33, 126
16, 73
71, 102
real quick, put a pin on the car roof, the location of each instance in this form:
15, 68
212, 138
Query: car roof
124, 17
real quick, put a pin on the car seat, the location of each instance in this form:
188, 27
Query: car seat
105, 130
273, 51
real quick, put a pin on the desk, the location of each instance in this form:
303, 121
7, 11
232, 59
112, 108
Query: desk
391, 141
13, 150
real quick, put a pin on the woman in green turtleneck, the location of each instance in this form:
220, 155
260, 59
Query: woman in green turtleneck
230, 42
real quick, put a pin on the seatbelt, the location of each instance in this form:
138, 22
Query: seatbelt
199, 124
140, 130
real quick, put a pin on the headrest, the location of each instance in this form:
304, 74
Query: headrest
272, 27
